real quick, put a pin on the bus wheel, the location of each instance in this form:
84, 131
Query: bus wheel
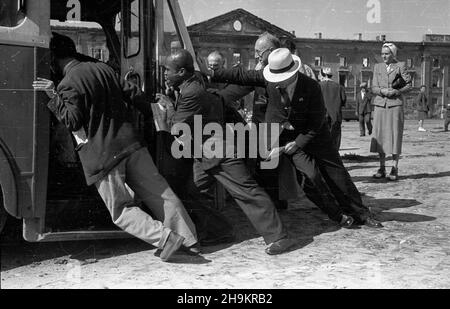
3, 214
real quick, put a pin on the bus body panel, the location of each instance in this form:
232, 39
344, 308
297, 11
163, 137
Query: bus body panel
24, 129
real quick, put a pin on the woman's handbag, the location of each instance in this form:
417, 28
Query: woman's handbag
398, 82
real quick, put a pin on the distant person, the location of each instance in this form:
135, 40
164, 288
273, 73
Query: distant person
447, 116
93, 104
422, 107
304, 68
364, 110
388, 114
335, 98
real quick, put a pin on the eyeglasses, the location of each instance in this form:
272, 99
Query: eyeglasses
260, 54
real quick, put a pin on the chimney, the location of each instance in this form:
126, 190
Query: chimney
293, 32
318, 35
360, 36
383, 37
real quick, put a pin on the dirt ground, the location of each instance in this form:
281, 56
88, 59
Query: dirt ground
411, 251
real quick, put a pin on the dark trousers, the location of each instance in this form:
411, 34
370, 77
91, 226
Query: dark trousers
209, 222
364, 120
327, 183
336, 132
447, 120
251, 198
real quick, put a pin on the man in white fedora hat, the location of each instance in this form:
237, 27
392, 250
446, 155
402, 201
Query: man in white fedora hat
296, 103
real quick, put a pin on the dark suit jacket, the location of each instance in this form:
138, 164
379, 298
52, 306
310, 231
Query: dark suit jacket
193, 101
383, 79
307, 107
363, 106
91, 97
335, 98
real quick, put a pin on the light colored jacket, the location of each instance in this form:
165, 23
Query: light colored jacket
383, 79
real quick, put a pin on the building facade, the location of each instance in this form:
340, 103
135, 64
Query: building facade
352, 61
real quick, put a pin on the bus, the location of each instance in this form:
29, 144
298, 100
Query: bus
41, 180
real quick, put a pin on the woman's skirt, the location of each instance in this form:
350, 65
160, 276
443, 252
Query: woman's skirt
388, 128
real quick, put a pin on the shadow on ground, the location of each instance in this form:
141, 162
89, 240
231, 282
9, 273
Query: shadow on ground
370, 179
379, 208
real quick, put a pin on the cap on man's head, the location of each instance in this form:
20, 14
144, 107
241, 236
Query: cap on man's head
326, 71
363, 85
62, 46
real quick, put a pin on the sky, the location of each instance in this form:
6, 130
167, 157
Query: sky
399, 20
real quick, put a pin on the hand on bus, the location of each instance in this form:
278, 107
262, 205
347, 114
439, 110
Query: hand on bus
42, 84
203, 67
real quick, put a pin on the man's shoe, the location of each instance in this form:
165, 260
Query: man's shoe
371, 222
381, 173
393, 176
346, 221
192, 250
173, 243
361, 135
280, 246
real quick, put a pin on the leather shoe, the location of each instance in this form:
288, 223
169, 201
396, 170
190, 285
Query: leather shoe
192, 250
371, 222
173, 243
381, 173
280, 246
346, 221
393, 175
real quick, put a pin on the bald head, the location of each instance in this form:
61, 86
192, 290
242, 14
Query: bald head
265, 44
179, 67
181, 59
216, 60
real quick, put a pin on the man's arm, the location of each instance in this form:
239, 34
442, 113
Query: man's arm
314, 118
233, 93
136, 97
68, 105
239, 76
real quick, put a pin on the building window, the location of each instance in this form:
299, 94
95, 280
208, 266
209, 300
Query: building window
365, 62
343, 61
409, 63
318, 61
343, 79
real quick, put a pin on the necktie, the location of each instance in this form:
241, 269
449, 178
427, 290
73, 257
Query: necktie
286, 109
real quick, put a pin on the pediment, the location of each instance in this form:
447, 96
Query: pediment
238, 22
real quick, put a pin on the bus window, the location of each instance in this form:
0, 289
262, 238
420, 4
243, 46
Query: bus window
11, 12
132, 20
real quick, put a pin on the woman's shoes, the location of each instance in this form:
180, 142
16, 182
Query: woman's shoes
381, 173
393, 176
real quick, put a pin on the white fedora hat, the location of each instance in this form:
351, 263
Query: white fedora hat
282, 65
